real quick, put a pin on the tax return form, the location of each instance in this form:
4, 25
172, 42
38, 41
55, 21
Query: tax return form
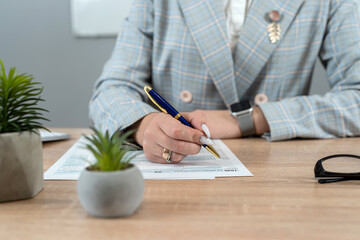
200, 166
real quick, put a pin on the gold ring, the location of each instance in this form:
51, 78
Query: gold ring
167, 155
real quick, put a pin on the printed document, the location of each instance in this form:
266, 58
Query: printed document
201, 166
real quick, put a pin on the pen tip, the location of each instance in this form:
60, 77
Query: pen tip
213, 151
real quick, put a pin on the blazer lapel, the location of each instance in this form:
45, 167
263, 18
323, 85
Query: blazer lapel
254, 47
207, 24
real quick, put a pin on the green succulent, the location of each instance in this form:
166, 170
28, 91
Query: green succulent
113, 152
19, 97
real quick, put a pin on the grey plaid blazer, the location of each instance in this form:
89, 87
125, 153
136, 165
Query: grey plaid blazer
178, 45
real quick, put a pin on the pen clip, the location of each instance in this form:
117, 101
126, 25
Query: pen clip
147, 89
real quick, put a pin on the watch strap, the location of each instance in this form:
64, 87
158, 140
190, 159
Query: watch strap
246, 123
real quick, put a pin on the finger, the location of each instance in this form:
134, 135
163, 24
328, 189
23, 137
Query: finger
179, 146
198, 120
176, 130
156, 159
159, 158
154, 136
154, 145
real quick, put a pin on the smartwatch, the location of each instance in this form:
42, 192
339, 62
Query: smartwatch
243, 112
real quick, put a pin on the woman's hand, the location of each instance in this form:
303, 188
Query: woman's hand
223, 125
157, 131
220, 123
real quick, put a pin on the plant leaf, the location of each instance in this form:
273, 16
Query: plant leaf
110, 152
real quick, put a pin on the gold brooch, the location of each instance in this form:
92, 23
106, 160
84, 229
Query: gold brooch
274, 28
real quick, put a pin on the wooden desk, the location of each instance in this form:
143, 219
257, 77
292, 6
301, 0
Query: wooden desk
282, 201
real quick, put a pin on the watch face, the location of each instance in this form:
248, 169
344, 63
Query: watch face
240, 106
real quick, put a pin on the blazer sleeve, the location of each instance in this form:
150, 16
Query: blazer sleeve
118, 99
337, 113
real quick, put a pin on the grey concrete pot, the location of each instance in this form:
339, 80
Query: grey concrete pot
21, 166
111, 194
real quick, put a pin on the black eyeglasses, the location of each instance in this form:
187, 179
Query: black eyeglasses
338, 167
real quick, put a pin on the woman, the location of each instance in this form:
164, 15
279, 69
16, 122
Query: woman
206, 56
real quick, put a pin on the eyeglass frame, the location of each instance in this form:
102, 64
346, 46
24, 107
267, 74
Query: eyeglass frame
319, 170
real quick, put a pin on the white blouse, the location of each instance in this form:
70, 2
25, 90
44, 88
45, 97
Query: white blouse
235, 12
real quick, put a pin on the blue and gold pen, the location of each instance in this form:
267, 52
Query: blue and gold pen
164, 106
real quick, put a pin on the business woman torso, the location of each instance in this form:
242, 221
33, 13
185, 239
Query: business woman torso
181, 48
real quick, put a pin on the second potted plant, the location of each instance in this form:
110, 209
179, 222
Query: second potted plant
112, 186
21, 163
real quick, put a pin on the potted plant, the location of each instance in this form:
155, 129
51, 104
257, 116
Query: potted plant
111, 186
21, 164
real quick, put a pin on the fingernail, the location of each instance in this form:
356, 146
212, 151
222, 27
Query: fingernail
205, 129
206, 141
